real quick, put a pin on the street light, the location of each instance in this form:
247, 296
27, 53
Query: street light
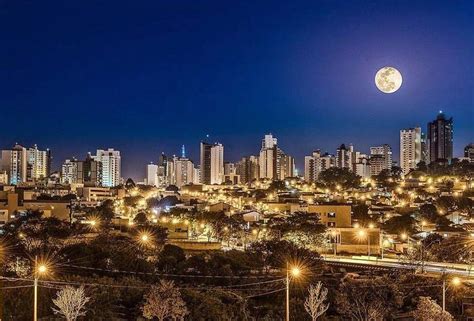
455, 282
423, 224
40, 268
295, 272
362, 234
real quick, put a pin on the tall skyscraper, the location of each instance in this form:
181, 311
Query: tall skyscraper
217, 164
212, 163
410, 149
111, 166
273, 162
440, 139
344, 157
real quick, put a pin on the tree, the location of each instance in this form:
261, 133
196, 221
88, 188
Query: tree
71, 302
129, 184
164, 301
428, 310
400, 224
314, 303
368, 300
140, 218
301, 228
334, 176
360, 213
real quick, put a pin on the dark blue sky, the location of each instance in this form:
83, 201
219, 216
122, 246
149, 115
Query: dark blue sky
148, 76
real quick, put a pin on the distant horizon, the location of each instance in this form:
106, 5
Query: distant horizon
194, 156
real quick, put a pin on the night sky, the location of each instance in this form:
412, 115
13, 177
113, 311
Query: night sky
148, 76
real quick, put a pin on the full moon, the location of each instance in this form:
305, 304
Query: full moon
388, 80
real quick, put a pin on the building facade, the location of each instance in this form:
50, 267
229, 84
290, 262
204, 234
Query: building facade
440, 139
111, 166
410, 149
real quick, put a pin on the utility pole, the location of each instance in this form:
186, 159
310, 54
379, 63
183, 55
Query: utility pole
444, 295
287, 293
35, 302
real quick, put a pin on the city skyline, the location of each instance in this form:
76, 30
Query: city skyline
299, 162
151, 84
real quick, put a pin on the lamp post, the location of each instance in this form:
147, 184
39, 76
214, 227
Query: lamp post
39, 269
455, 281
295, 272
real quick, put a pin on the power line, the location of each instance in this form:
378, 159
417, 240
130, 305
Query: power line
169, 274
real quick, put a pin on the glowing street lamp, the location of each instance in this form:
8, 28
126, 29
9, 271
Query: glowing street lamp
455, 282
295, 272
362, 234
40, 268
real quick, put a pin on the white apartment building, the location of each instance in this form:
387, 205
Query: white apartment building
184, 171
69, 173
38, 163
152, 174
111, 166
315, 164
217, 164
410, 148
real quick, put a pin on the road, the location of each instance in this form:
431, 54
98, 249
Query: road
461, 270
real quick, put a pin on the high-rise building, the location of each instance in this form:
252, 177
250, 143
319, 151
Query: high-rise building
286, 166
273, 162
87, 172
184, 171
152, 174
39, 163
410, 149
15, 163
317, 163
3, 177
69, 171
217, 164
385, 151
205, 164
469, 152
111, 166
229, 168
377, 164
212, 163
163, 177
268, 141
440, 139
26, 164
344, 157
362, 167
248, 169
